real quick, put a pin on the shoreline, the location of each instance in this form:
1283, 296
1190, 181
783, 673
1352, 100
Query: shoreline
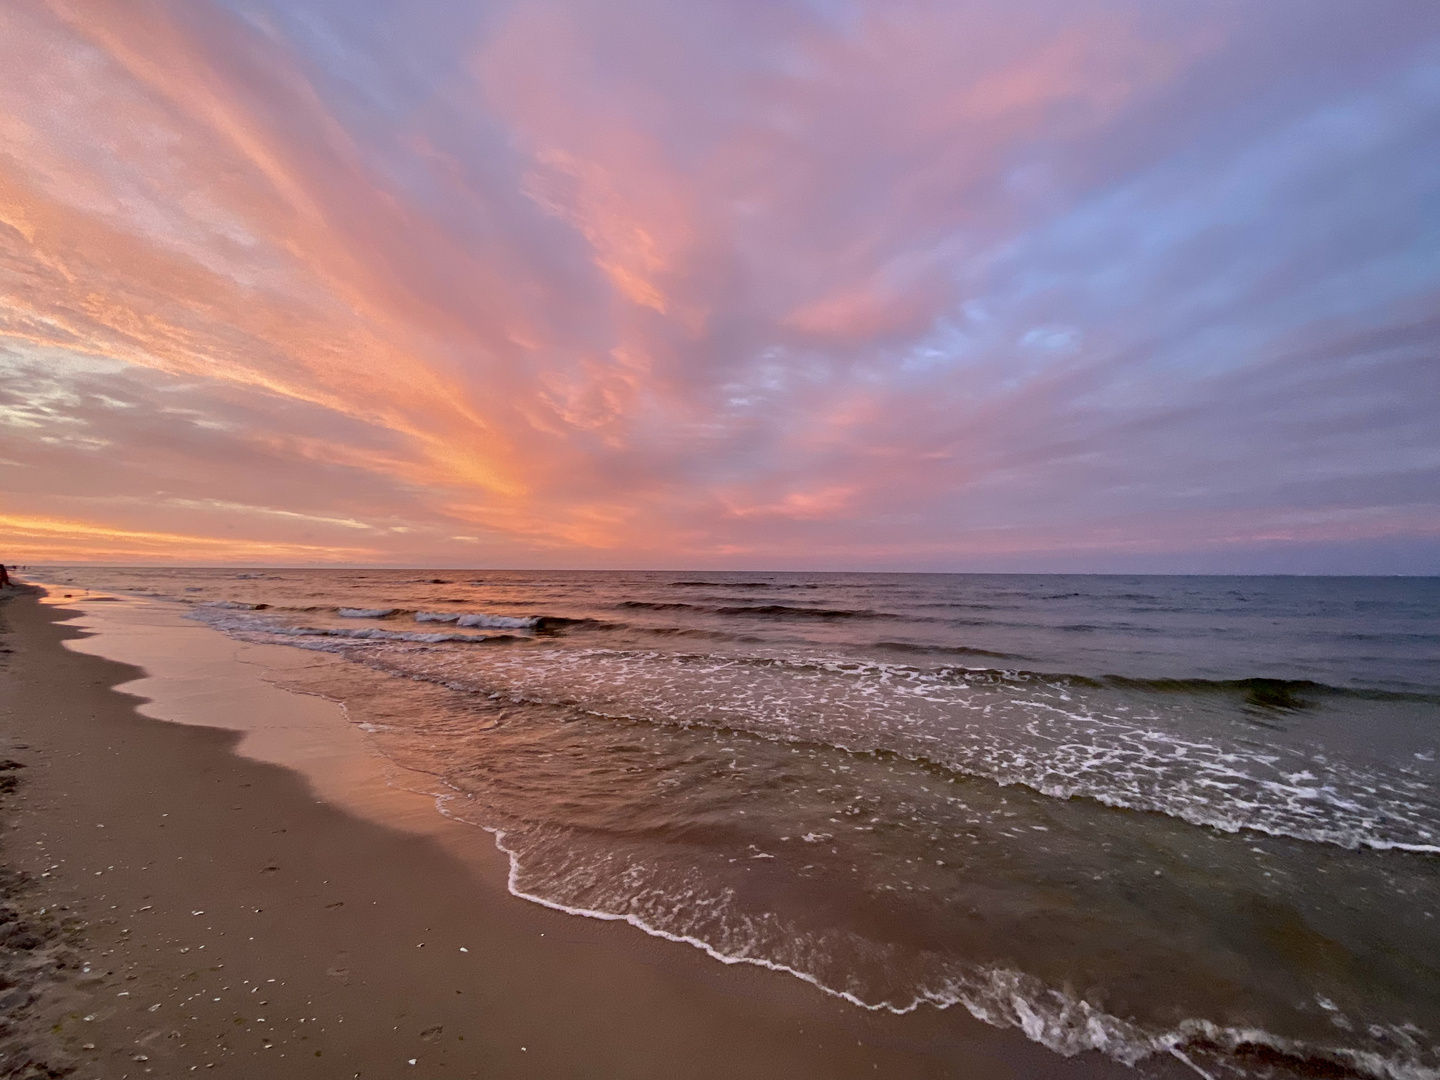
169, 840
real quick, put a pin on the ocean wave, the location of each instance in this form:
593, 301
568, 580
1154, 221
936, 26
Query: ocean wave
1266, 692
366, 613
1065, 736
1257, 690
1013, 728
773, 611
727, 585
786, 611
374, 634
479, 619
777, 611
697, 632
498, 622
945, 650
1056, 1018
367, 633
776, 585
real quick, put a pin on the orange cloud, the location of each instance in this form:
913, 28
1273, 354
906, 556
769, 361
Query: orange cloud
319, 329
37, 539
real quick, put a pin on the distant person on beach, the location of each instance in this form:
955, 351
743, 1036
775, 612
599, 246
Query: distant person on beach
5, 581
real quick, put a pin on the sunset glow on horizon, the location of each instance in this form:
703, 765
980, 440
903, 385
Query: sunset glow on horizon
1045, 285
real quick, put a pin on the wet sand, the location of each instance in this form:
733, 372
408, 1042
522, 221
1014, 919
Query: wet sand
264, 898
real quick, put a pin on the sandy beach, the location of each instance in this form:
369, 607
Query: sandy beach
259, 896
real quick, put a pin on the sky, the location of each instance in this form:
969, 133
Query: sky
1040, 285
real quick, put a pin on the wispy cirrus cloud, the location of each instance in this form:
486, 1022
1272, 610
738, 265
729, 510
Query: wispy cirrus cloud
1090, 284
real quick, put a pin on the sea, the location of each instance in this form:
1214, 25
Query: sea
1160, 818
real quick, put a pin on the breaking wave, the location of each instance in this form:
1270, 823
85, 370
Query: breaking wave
774, 611
479, 619
1002, 997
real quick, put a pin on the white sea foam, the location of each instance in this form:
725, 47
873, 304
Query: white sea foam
372, 634
365, 613
1011, 728
479, 620
1014, 728
497, 622
359, 633
1005, 998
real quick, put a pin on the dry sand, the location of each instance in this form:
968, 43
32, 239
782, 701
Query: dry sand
179, 908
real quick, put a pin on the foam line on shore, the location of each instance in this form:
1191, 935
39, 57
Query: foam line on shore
1004, 998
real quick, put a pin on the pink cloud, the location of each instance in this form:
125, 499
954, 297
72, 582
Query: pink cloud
630, 281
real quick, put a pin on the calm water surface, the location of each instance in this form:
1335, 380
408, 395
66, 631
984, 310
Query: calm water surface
1161, 817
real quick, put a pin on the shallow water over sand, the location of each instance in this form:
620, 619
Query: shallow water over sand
1190, 817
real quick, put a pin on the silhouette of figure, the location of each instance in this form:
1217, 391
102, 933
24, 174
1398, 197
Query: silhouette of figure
5, 581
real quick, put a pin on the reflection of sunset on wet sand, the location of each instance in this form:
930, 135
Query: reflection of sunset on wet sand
1068, 286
